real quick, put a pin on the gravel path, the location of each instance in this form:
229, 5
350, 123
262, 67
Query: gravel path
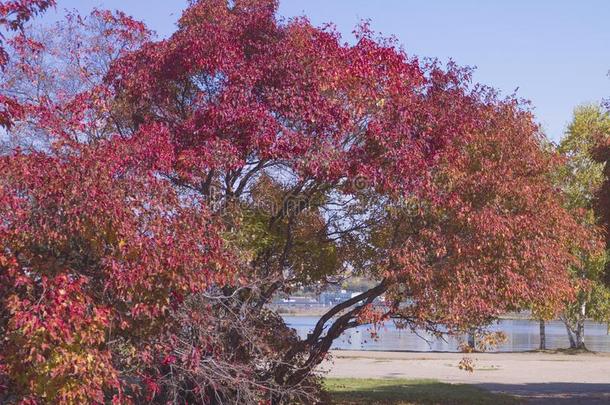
537, 378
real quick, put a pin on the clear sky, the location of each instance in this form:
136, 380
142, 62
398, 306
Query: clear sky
557, 52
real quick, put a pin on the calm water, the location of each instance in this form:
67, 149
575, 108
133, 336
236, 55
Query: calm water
521, 335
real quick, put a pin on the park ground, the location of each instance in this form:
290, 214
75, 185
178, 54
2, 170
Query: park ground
366, 377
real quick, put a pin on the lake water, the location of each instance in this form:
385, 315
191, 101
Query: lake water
521, 335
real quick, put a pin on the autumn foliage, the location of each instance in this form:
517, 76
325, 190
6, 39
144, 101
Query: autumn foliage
191, 179
601, 154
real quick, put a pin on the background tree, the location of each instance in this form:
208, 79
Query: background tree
54, 70
246, 156
581, 178
601, 154
13, 16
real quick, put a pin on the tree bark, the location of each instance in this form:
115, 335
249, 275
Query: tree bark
576, 327
580, 327
570, 335
472, 340
542, 335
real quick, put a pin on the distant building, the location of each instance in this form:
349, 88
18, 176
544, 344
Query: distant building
298, 300
334, 297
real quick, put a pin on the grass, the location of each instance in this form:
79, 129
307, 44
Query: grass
354, 391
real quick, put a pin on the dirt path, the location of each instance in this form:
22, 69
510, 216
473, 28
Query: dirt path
539, 378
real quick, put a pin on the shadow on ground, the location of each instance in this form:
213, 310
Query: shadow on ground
554, 393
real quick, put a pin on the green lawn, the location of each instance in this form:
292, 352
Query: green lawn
352, 391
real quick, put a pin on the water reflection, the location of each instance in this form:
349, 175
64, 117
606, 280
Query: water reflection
521, 335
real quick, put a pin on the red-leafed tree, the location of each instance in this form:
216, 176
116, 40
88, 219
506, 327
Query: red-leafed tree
95, 252
243, 157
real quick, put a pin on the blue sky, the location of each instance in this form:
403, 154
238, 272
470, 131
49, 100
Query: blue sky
555, 51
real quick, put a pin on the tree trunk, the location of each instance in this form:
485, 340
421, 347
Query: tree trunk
580, 327
570, 335
472, 340
576, 327
579, 335
542, 335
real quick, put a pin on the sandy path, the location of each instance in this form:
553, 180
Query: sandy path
538, 377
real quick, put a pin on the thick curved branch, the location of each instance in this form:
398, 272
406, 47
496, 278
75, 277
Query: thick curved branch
372, 293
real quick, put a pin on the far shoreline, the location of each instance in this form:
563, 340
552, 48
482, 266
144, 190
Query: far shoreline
317, 312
